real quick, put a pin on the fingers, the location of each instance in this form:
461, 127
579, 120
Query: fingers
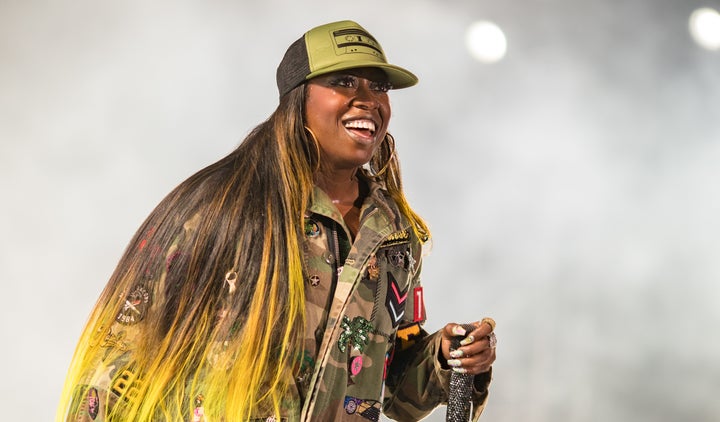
476, 353
475, 364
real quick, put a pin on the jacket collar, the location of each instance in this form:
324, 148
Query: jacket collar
378, 200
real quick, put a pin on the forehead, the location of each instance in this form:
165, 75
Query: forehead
373, 74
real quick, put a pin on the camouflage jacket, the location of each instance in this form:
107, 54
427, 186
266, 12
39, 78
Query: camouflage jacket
365, 349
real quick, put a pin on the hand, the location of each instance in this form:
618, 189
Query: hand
477, 350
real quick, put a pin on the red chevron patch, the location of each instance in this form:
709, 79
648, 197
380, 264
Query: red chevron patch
395, 300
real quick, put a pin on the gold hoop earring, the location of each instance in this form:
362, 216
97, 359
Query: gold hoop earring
316, 158
389, 143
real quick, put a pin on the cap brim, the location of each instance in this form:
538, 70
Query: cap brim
397, 76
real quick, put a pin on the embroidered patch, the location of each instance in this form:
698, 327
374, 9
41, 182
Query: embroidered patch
388, 359
126, 385
306, 361
419, 305
411, 261
135, 306
373, 271
395, 300
355, 333
93, 403
312, 228
396, 256
115, 340
356, 365
397, 238
199, 411
368, 409
406, 335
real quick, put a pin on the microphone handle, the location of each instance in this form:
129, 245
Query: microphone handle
461, 385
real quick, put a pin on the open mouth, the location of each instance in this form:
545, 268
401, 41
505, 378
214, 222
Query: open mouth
364, 127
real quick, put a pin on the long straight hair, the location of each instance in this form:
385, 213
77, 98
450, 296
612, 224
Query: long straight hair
221, 257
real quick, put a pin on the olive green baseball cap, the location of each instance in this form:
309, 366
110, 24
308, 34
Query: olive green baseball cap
336, 46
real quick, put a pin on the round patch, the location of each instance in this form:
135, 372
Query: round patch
312, 228
135, 306
350, 407
356, 365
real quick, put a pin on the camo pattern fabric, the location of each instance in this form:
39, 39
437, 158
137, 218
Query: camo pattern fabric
364, 315
365, 351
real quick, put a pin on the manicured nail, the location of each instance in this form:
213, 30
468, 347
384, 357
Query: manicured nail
458, 330
456, 353
454, 362
467, 340
460, 370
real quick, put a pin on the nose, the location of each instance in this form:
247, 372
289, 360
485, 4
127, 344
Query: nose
365, 98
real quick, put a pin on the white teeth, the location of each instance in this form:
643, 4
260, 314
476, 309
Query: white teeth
361, 124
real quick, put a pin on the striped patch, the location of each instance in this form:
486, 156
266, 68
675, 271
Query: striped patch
395, 300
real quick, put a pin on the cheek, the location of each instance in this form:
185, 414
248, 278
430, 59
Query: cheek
385, 113
321, 111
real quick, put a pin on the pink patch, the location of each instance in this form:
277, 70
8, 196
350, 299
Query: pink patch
356, 365
400, 298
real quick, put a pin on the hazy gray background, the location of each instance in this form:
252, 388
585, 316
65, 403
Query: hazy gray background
571, 188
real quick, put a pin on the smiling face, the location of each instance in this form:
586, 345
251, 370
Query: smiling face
348, 112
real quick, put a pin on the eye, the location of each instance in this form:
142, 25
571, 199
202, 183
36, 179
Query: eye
345, 81
381, 86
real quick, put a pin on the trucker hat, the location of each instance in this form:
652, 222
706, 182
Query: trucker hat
336, 46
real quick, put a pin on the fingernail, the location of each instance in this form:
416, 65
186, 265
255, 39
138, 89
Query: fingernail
460, 370
454, 362
467, 340
458, 330
456, 353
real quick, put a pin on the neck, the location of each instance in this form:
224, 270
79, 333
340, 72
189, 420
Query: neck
341, 186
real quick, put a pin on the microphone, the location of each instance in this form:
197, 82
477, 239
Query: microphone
461, 385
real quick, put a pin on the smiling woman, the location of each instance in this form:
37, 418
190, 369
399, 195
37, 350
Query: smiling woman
348, 113
283, 281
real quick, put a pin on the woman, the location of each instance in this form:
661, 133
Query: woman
282, 281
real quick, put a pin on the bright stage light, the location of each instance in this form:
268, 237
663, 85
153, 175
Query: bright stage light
705, 28
486, 42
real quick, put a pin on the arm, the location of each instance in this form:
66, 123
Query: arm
418, 376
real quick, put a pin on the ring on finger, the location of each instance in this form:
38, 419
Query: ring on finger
489, 321
492, 340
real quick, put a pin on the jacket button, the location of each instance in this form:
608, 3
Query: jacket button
314, 280
329, 258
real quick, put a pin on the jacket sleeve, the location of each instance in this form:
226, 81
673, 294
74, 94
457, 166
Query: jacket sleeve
106, 378
418, 377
